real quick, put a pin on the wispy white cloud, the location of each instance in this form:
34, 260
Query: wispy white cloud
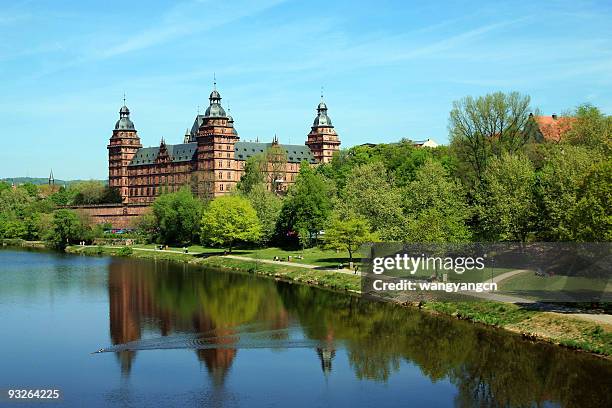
183, 19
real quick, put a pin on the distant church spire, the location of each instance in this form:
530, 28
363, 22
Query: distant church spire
51, 179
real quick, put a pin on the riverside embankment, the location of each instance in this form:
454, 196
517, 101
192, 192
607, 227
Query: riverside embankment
576, 331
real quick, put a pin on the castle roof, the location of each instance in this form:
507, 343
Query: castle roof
215, 110
322, 119
295, 153
179, 153
553, 127
124, 122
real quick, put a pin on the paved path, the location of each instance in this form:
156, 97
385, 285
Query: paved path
507, 275
299, 265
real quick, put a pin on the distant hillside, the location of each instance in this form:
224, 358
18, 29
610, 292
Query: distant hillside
41, 181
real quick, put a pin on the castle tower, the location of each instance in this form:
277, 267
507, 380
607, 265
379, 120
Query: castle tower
217, 172
323, 140
122, 147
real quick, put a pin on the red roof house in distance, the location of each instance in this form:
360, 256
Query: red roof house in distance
551, 128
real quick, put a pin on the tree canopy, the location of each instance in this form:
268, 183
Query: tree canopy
347, 232
177, 216
307, 205
228, 220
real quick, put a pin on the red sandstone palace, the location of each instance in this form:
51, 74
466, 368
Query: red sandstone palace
211, 158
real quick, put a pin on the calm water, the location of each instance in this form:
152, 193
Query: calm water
184, 336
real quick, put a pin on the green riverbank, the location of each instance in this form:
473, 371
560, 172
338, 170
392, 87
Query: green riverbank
556, 328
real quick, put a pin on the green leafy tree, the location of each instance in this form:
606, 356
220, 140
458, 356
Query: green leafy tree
12, 228
254, 174
436, 207
485, 127
401, 160
307, 205
347, 232
4, 186
31, 189
178, 217
15, 202
591, 128
558, 190
228, 220
268, 207
66, 227
87, 192
63, 196
147, 227
592, 215
370, 192
505, 201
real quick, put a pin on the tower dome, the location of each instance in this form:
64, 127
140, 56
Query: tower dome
124, 122
322, 119
215, 110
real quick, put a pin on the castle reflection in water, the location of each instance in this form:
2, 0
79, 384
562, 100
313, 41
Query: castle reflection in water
155, 300
159, 300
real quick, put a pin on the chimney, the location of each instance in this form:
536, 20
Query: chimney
554, 116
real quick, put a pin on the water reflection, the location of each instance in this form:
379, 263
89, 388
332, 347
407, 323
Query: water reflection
225, 312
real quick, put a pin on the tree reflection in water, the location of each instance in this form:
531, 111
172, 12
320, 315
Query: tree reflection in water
488, 367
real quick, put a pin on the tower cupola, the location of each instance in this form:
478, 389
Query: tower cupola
322, 119
215, 110
124, 122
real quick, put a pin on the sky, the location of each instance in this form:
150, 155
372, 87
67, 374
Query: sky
389, 69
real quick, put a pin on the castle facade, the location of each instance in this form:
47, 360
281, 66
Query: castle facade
211, 159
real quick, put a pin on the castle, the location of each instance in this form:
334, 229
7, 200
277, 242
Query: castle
211, 159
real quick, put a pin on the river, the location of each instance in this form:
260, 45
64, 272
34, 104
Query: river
180, 335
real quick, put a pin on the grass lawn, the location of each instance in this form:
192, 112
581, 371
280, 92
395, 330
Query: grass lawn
525, 284
312, 256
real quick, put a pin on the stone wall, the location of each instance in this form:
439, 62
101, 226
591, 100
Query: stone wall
118, 215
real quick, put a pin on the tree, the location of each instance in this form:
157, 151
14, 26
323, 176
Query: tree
230, 219
178, 216
370, 193
147, 227
347, 232
436, 207
254, 174
87, 192
275, 162
591, 128
558, 189
268, 207
307, 205
505, 201
486, 127
66, 227
31, 189
4, 186
592, 215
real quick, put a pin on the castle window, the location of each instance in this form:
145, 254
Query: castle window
220, 175
221, 187
229, 175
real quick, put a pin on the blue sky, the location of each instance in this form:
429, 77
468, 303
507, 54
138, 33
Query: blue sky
390, 69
